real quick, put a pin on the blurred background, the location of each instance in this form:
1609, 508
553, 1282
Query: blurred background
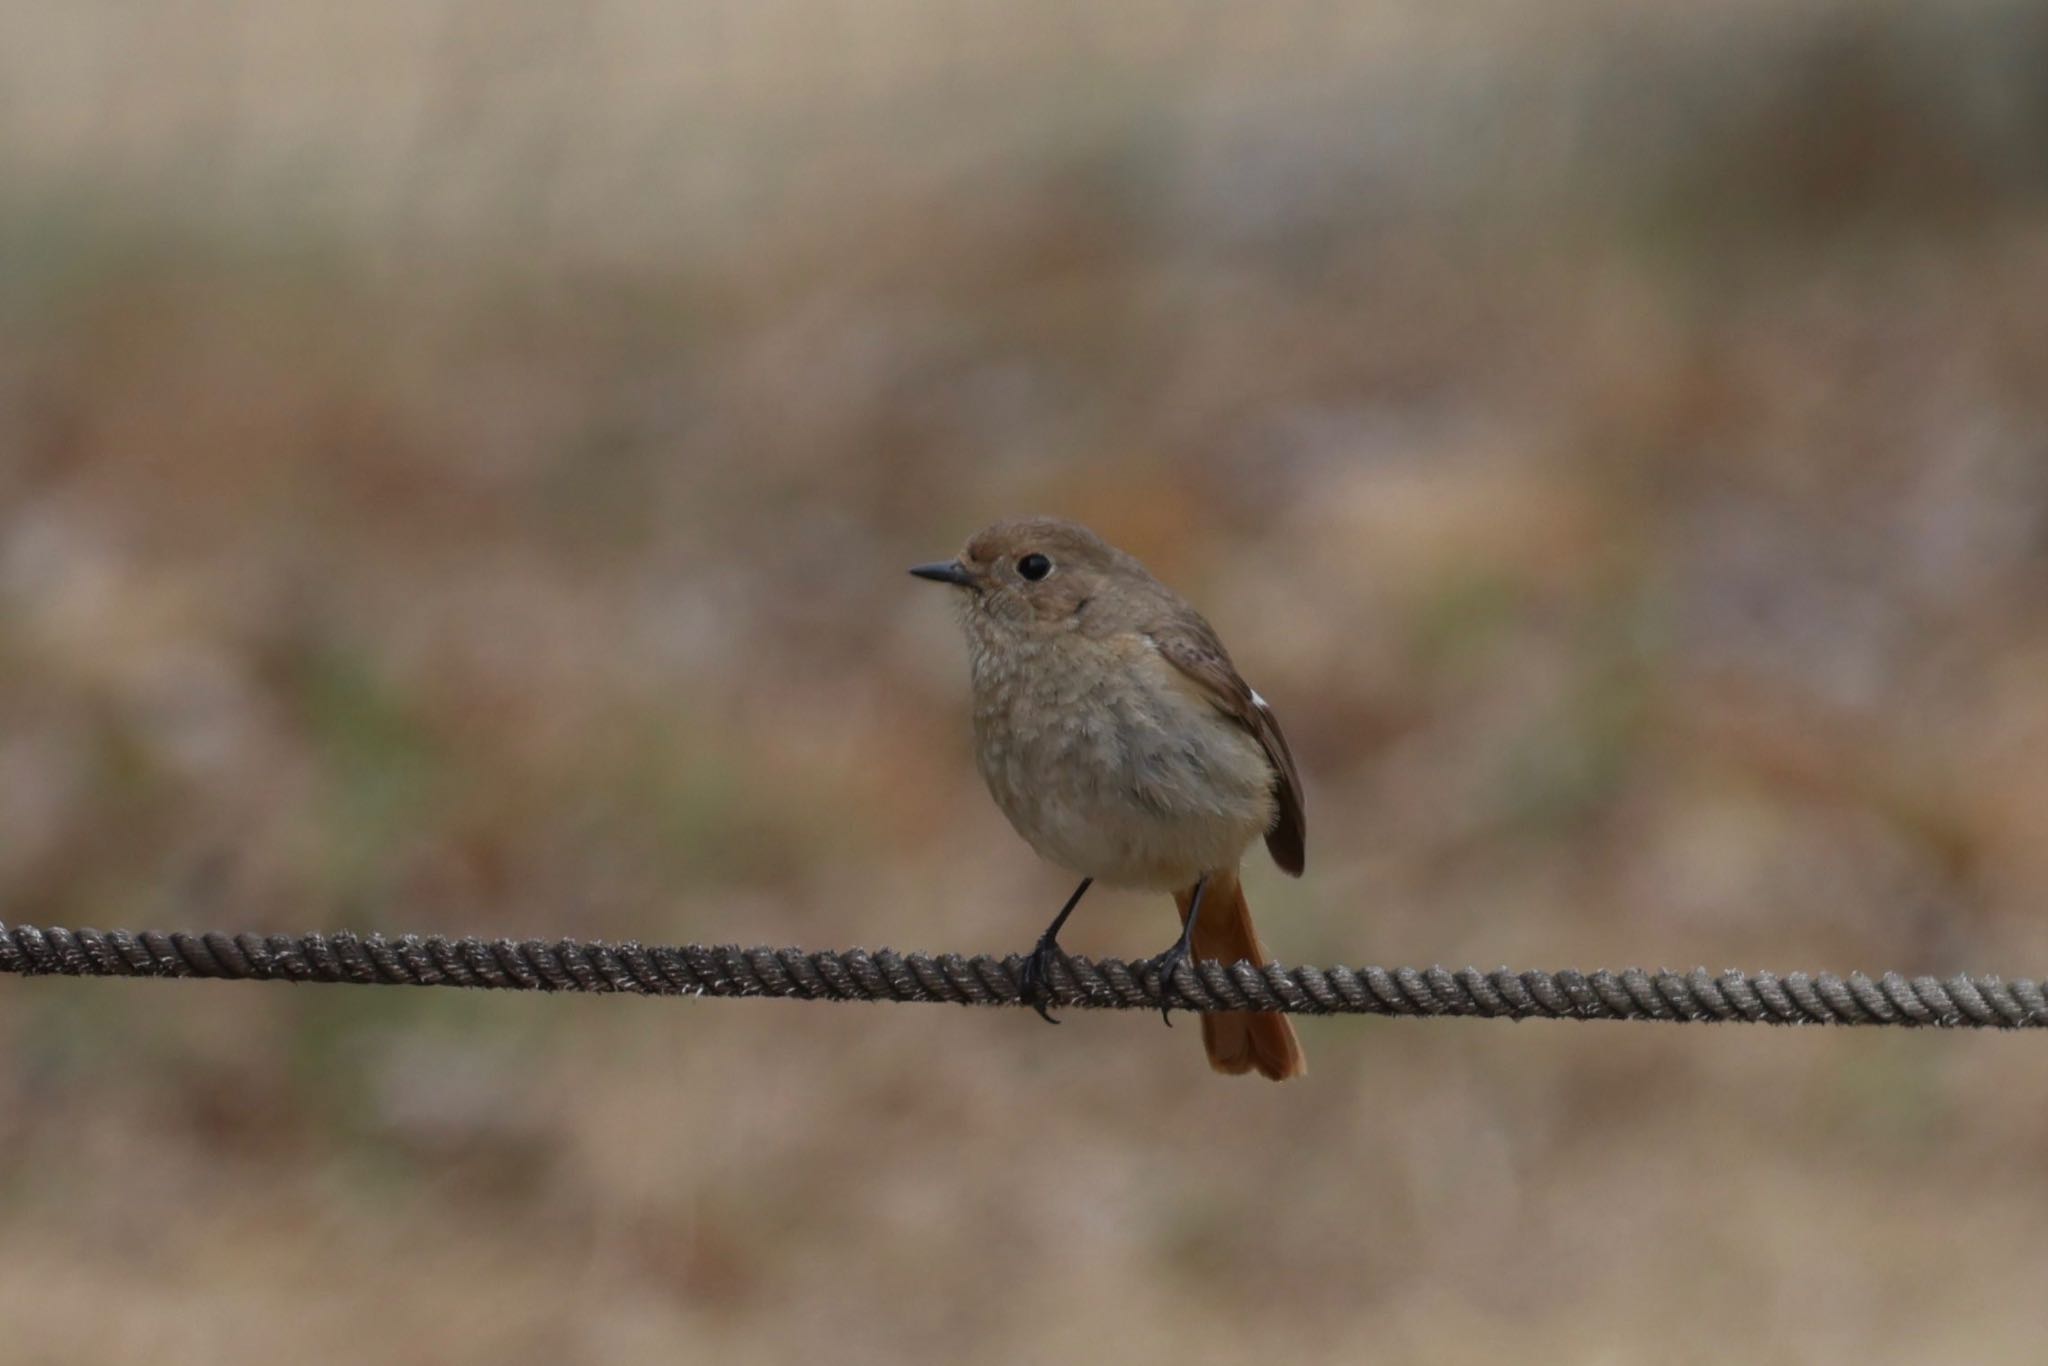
457, 466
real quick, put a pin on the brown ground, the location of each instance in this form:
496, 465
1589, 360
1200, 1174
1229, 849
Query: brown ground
456, 467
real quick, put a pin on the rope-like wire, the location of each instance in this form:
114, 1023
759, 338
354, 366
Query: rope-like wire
1961, 1002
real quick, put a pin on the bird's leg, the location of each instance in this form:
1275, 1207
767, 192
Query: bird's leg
1166, 962
1034, 981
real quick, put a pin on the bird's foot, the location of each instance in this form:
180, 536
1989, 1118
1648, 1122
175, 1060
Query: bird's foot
1165, 965
1034, 979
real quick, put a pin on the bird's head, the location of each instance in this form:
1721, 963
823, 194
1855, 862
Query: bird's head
1038, 575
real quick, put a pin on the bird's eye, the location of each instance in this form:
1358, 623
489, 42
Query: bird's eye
1034, 566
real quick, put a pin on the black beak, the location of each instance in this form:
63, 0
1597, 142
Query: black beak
946, 571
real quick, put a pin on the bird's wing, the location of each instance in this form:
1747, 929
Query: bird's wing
1192, 647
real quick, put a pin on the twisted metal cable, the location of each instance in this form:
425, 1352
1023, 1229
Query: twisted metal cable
1960, 1002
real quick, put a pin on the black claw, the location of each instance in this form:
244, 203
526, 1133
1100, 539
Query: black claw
1166, 962
1034, 979
1165, 965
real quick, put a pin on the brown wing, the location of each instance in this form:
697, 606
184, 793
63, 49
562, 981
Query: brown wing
1191, 646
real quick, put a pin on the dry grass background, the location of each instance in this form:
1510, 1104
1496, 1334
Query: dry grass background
456, 466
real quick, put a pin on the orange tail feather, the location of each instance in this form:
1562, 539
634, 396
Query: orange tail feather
1239, 1041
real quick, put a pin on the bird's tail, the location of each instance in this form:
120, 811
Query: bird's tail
1239, 1040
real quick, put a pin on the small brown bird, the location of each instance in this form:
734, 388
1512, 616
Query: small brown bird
1114, 732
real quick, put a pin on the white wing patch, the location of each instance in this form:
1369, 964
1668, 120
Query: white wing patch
1259, 701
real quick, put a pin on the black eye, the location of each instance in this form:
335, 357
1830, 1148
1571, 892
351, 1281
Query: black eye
1034, 566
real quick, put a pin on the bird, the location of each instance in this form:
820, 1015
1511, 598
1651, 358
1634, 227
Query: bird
1117, 736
